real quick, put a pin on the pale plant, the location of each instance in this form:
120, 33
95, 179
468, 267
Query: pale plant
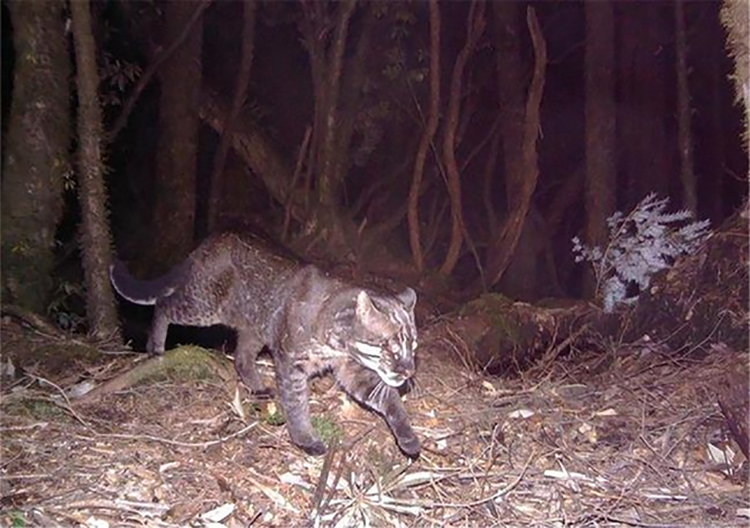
644, 242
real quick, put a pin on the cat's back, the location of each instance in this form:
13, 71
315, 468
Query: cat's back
250, 256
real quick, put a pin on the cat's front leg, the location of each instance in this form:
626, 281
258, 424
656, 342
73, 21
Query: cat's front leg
367, 388
295, 400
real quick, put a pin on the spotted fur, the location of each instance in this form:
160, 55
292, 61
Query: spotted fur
311, 322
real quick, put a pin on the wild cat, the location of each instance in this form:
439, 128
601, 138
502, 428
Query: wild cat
312, 323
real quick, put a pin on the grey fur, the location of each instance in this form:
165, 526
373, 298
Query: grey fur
311, 322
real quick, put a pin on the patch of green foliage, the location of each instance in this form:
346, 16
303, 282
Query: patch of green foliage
14, 519
187, 363
275, 416
34, 408
328, 430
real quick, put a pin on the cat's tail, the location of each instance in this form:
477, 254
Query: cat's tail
143, 291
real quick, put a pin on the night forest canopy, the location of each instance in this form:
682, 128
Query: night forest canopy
454, 146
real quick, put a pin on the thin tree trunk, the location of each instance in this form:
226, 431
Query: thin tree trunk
327, 189
424, 145
173, 224
684, 134
96, 239
240, 94
475, 24
490, 170
336, 96
505, 247
510, 85
600, 125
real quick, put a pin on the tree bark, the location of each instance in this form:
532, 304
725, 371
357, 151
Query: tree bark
173, 222
96, 239
424, 145
510, 85
475, 24
684, 134
642, 100
504, 247
240, 94
36, 153
337, 84
600, 126
329, 101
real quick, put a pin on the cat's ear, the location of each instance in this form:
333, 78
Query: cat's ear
366, 310
409, 298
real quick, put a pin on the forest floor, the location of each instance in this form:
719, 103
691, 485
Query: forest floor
633, 437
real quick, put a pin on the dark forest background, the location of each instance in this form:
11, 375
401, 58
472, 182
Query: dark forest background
454, 146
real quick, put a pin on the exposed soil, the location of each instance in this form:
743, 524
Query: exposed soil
632, 437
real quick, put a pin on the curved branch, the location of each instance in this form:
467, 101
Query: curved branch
429, 134
511, 230
474, 28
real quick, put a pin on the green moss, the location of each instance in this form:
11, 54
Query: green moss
35, 409
186, 363
496, 308
327, 429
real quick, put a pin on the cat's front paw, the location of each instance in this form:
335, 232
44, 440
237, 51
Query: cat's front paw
315, 448
410, 445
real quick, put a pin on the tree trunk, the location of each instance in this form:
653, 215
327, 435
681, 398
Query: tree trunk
36, 155
600, 126
510, 85
173, 222
685, 138
501, 251
96, 240
337, 84
327, 73
243, 81
641, 117
429, 133
475, 23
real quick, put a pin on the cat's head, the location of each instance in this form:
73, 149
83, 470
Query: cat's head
385, 336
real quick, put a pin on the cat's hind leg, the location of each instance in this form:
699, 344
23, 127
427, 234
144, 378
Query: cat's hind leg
367, 388
245, 356
157, 337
